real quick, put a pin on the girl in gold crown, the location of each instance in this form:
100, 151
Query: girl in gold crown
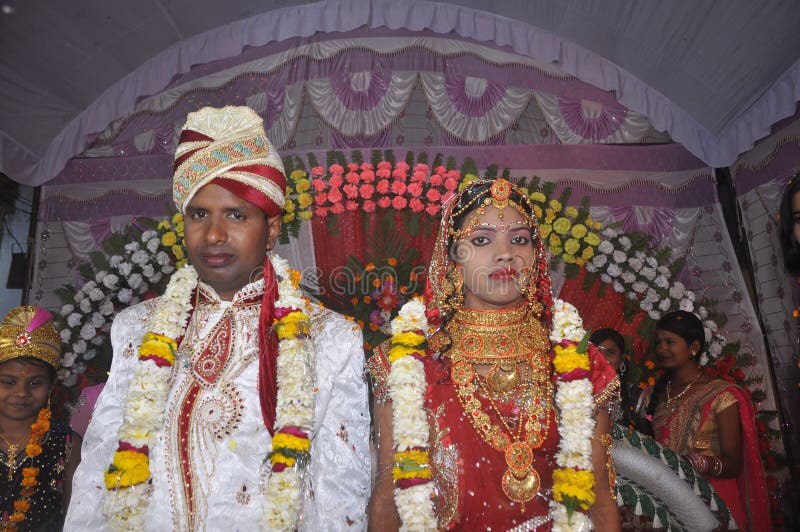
37, 458
491, 406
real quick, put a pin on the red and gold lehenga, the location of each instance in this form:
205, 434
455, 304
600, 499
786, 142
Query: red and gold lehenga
692, 427
469, 472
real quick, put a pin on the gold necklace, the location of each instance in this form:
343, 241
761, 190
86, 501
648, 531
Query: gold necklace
520, 481
11, 456
671, 400
501, 338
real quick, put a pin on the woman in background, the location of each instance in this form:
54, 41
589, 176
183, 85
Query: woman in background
37, 455
789, 225
612, 344
712, 421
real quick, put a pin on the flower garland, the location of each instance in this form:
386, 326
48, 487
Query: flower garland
291, 445
29, 481
124, 504
413, 494
573, 480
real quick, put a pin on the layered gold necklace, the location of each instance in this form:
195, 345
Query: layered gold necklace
515, 346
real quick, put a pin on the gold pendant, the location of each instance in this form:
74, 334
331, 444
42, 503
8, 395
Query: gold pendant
521, 487
503, 378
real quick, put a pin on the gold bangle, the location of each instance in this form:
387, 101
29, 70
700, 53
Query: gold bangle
606, 441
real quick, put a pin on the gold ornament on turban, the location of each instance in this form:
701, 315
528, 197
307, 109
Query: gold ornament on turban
29, 332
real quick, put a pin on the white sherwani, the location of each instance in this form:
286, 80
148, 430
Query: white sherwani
207, 464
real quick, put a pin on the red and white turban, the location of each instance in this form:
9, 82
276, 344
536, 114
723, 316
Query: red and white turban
228, 147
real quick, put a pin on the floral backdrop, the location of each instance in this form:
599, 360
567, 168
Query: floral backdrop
374, 217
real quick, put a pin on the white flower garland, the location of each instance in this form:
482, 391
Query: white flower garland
125, 500
410, 430
407, 385
295, 402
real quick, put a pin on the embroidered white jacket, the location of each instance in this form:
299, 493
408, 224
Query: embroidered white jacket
226, 439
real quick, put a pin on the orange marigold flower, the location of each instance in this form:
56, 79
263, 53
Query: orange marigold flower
392, 261
367, 299
373, 326
376, 283
33, 449
360, 323
796, 313
651, 381
17, 517
642, 385
357, 278
22, 505
369, 267
412, 276
650, 364
354, 301
29, 482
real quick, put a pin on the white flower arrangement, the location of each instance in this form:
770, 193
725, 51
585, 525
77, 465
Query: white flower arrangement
641, 278
123, 281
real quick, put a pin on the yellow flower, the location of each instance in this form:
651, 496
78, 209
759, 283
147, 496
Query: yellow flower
283, 440
172, 344
549, 216
561, 226
298, 174
177, 218
579, 261
158, 349
399, 351
555, 251
571, 212
169, 239
568, 258
408, 339
554, 241
304, 200
592, 239
164, 224
179, 228
537, 211
572, 246
468, 178
545, 230
587, 253
578, 484
278, 458
568, 361
291, 325
538, 197
555, 205
420, 457
578, 230
288, 206
411, 464
302, 185
305, 215
288, 217
177, 251
128, 469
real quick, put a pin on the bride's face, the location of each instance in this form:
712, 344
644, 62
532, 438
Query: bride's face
492, 257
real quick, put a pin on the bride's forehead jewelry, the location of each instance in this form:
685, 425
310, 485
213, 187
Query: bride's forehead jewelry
498, 196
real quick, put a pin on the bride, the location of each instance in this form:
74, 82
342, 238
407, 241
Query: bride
491, 407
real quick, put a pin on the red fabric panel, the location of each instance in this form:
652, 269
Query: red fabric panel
604, 311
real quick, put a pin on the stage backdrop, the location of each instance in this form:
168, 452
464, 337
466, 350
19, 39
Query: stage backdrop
437, 111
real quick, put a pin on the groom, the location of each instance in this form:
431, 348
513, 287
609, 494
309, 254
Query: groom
203, 384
